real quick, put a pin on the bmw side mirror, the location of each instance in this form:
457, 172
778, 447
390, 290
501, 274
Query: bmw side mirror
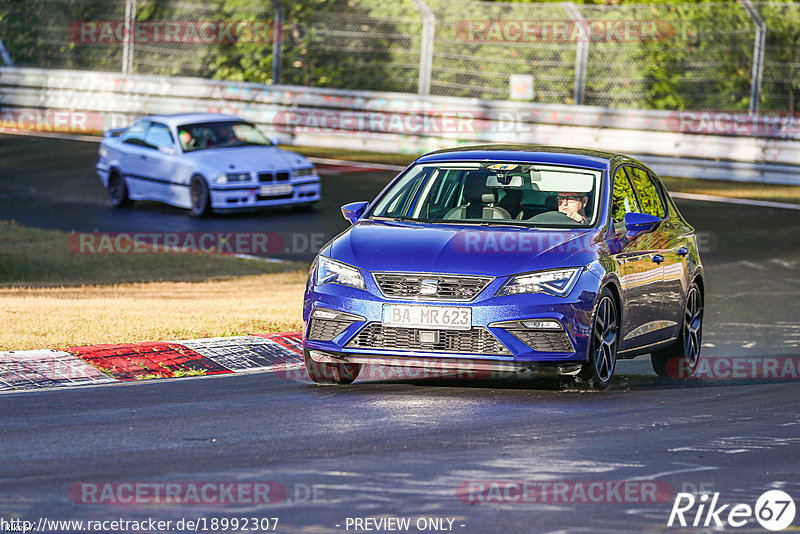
275, 140
166, 150
639, 223
353, 211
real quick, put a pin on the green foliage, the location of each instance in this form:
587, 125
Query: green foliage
700, 58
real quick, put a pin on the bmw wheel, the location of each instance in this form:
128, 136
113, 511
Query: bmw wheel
331, 373
598, 370
201, 202
681, 359
118, 191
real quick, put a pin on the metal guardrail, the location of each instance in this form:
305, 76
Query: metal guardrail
396, 122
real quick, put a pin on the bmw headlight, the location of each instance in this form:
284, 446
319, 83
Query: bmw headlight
304, 172
233, 177
336, 272
558, 282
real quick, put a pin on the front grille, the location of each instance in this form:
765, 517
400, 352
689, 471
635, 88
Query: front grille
270, 177
474, 341
448, 287
544, 341
326, 330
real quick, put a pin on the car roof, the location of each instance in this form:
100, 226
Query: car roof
192, 118
578, 157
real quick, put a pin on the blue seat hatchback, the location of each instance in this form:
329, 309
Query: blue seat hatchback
509, 258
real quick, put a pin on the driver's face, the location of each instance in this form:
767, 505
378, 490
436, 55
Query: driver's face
570, 203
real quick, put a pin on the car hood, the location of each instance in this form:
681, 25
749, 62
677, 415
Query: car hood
444, 248
248, 158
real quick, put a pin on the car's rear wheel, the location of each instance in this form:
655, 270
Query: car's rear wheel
681, 359
118, 191
201, 202
599, 369
331, 373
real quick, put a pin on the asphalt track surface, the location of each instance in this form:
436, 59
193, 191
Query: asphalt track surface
402, 447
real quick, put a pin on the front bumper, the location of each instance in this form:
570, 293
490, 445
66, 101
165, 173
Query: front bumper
226, 197
491, 316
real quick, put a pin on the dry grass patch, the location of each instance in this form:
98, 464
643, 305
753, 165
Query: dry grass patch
61, 317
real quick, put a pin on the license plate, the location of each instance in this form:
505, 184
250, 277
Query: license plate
439, 317
275, 190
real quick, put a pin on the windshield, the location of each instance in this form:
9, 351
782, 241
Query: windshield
494, 193
224, 134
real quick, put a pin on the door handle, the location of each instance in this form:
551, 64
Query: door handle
142, 156
658, 258
683, 251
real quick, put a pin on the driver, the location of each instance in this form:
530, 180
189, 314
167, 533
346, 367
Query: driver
572, 205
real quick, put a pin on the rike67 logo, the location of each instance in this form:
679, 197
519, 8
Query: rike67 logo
774, 510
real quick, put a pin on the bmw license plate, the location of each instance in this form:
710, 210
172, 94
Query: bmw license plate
275, 190
439, 317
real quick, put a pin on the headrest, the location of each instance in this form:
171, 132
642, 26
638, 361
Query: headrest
475, 189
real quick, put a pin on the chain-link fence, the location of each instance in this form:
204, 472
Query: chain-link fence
698, 56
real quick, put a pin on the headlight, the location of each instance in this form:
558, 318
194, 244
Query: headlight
304, 172
336, 272
233, 177
559, 283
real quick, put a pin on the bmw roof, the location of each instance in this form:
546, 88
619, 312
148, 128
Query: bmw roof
525, 153
192, 118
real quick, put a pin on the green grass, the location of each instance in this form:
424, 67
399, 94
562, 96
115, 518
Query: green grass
35, 257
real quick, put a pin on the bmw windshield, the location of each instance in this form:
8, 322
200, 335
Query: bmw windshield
493, 192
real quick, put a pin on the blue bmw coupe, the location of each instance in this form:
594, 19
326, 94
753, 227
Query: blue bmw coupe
509, 258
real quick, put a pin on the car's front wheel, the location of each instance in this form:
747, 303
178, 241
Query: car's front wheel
201, 201
331, 373
681, 359
597, 371
118, 191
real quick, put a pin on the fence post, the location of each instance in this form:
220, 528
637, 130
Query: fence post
758, 53
4, 55
277, 42
127, 44
581, 51
426, 47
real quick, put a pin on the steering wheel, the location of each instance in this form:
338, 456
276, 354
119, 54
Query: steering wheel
554, 217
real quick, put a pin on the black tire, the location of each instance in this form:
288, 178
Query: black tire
331, 373
681, 359
118, 191
598, 370
201, 201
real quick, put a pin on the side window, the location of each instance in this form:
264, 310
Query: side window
134, 135
624, 200
158, 135
649, 199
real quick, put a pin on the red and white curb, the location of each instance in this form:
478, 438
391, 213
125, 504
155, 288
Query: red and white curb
101, 364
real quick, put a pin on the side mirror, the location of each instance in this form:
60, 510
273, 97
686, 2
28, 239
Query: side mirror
353, 211
164, 149
275, 140
639, 223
